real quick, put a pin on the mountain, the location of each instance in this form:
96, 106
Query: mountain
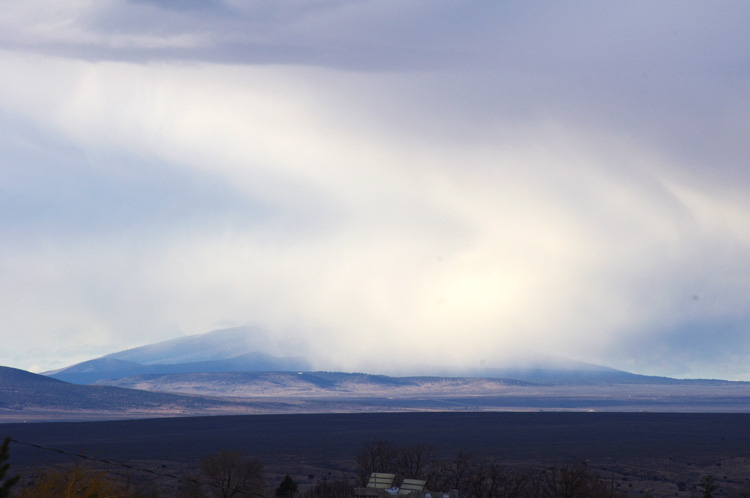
89, 372
241, 350
554, 370
548, 370
217, 345
228, 350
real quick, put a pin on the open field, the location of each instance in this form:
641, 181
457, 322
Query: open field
618, 398
637, 451
27, 397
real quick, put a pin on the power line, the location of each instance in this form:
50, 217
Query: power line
129, 467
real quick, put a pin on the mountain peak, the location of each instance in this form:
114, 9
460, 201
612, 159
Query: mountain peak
216, 345
227, 350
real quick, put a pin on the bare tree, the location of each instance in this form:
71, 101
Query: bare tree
450, 474
232, 475
376, 456
412, 461
331, 489
476, 483
573, 481
489, 478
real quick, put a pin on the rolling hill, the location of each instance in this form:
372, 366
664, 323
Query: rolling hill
313, 385
27, 395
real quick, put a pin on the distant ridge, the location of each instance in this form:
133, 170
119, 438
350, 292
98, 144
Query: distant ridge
23, 392
547, 370
311, 384
30, 397
576, 375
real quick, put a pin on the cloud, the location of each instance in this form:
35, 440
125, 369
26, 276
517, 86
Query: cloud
360, 177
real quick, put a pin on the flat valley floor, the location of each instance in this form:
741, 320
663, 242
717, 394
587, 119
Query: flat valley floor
663, 453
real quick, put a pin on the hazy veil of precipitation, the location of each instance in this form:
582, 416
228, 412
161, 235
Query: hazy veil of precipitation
378, 184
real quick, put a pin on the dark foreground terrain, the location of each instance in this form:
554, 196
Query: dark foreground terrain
665, 454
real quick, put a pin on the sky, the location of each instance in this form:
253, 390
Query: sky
378, 184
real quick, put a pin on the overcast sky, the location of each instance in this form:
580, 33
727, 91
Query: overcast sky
379, 183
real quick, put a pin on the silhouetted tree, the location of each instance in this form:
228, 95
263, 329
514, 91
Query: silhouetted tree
412, 461
287, 488
4, 467
451, 474
230, 473
376, 456
708, 483
572, 481
331, 489
488, 478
